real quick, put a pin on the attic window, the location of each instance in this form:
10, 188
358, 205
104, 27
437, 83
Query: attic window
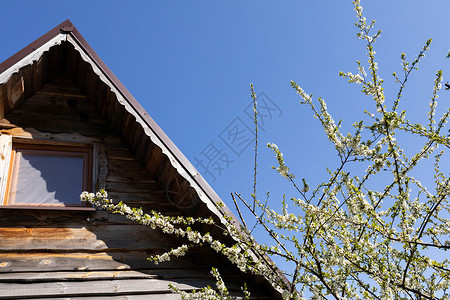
48, 175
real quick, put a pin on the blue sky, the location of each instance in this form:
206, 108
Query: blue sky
189, 63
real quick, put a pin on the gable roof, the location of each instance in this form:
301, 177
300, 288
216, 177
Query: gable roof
67, 33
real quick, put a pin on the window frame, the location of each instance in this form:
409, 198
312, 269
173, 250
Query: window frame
86, 151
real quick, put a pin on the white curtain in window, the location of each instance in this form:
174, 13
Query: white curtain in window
45, 179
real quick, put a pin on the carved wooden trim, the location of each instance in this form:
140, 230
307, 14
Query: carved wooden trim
100, 166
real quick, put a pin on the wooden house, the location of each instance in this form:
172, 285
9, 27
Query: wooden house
67, 124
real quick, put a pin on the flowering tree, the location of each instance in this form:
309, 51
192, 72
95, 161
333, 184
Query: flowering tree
346, 238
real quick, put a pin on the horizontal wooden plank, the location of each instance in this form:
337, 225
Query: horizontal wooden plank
51, 100
154, 201
234, 295
84, 261
119, 153
63, 87
34, 277
100, 237
76, 119
124, 297
62, 94
133, 187
46, 124
113, 141
98, 287
55, 111
50, 138
83, 104
151, 297
48, 218
14, 218
130, 177
124, 165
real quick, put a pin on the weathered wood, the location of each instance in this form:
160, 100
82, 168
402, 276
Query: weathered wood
50, 138
163, 169
66, 98
70, 59
93, 238
131, 177
102, 93
124, 166
46, 67
153, 161
80, 74
119, 153
54, 125
236, 296
43, 99
15, 218
93, 94
138, 143
85, 261
125, 297
118, 113
24, 277
62, 80
100, 287
128, 128
61, 94
57, 112
114, 142
148, 157
110, 103
37, 74
62, 84
138, 199
134, 187
90, 87
15, 90
27, 74
55, 61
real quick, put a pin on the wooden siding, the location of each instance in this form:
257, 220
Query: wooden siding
72, 254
